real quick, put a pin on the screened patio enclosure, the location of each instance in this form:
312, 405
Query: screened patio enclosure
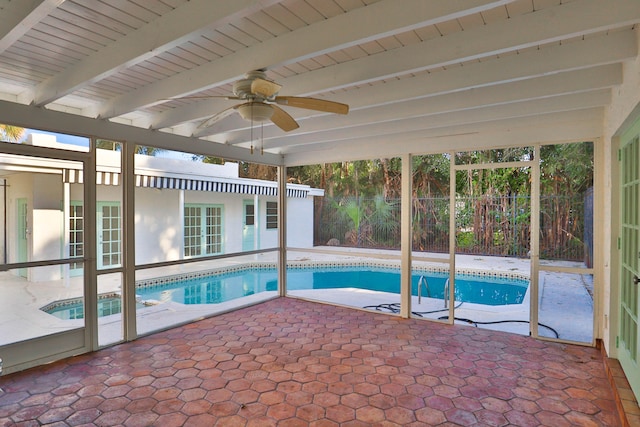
203, 268
490, 253
421, 80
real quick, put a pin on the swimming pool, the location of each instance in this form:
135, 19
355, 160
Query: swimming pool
224, 287
74, 308
473, 289
219, 288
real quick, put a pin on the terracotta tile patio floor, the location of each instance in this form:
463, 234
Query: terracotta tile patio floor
291, 362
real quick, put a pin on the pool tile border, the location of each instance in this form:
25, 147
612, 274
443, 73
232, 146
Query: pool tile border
73, 301
295, 265
301, 265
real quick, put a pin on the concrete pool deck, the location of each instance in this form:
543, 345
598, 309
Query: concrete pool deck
565, 302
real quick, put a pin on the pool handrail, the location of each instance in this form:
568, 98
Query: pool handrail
446, 293
424, 280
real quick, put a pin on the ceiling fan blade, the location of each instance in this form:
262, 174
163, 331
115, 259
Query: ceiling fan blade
283, 120
264, 87
217, 117
313, 104
227, 97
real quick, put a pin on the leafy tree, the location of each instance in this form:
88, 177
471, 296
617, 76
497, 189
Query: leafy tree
431, 175
246, 169
566, 172
493, 205
258, 171
431, 202
106, 144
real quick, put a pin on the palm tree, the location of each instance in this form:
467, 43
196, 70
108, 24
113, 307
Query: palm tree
11, 133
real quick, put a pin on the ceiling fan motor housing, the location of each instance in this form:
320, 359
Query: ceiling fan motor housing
242, 87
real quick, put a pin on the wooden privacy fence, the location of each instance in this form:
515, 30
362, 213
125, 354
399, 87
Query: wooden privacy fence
485, 225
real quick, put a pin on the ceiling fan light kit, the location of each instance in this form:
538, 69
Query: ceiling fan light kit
255, 111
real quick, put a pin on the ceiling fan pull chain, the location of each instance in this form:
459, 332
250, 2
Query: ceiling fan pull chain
251, 129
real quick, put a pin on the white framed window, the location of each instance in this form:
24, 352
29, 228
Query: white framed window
272, 215
202, 230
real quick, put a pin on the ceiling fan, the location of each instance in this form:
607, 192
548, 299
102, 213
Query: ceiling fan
262, 100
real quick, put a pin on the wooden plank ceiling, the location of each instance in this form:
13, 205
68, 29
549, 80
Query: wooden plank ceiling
419, 76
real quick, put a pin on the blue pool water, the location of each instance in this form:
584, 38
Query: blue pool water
74, 309
225, 287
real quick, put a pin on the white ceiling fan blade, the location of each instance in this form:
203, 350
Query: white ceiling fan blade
264, 87
217, 117
313, 104
283, 120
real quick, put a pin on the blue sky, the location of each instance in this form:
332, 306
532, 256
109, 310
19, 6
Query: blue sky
84, 142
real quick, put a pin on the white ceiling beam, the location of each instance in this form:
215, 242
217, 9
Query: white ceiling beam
579, 17
166, 32
592, 51
574, 126
542, 87
542, 106
589, 79
18, 17
555, 59
360, 25
552, 59
54, 121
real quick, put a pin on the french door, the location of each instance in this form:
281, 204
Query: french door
202, 230
109, 230
248, 226
628, 333
76, 236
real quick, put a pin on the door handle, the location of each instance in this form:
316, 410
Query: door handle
636, 280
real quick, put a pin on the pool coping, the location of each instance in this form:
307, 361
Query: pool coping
264, 265
295, 265
72, 301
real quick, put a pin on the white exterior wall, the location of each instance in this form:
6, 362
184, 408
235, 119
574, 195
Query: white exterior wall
19, 187
623, 111
159, 237
300, 223
109, 193
158, 226
43, 194
47, 225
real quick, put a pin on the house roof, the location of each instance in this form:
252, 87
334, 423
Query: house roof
419, 76
150, 172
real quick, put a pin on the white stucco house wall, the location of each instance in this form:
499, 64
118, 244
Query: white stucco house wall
184, 209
